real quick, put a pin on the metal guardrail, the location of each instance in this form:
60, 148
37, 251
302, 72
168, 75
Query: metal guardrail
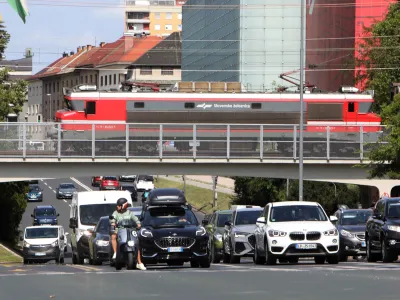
195, 141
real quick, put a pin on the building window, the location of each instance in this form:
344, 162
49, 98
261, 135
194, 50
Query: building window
168, 27
180, 16
58, 86
146, 71
91, 79
115, 78
54, 87
168, 16
167, 71
180, 27
95, 79
101, 80
157, 27
86, 79
109, 77
157, 16
105, 80
81, 79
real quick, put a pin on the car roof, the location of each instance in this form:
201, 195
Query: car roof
104, 217
44, 226
356, 209
226, 211
249, 209
71, 183
293, 203
44, 206
166, 192
391, 198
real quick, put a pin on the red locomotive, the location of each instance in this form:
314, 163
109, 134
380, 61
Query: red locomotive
211, 106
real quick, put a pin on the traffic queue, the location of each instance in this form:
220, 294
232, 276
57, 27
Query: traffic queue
158, 226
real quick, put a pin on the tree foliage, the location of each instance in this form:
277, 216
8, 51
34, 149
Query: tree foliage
379, 56
12, 93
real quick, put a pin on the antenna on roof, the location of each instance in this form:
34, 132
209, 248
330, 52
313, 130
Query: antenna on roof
105, 197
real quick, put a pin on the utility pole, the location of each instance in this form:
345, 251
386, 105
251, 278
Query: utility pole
287, 188
184, 183
302, 40
215, 196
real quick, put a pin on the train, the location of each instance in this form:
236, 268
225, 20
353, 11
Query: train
212, 107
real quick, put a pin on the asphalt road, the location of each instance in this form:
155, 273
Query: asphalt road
303, 281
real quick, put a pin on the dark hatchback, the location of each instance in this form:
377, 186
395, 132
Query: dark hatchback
351, 225
131, 189
45, 214
99, 242
35, 193
170, 231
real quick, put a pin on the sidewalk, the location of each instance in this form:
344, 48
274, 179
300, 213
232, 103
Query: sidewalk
225, 185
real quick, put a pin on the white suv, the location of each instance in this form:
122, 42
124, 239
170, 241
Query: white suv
290, 230
143, 183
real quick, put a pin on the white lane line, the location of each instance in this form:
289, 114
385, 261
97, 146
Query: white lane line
65, 201
54, 191
45, 183
81, 184
69, 205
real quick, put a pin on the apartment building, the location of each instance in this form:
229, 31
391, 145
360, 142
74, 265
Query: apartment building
154, 17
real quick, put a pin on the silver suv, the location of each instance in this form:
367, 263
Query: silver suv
238, 238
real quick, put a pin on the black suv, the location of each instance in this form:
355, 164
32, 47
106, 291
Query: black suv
45, 215
382, 234
351, 225
171, 232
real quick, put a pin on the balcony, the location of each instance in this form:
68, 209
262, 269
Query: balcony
138, 17
137, 32
150, 2
139, 21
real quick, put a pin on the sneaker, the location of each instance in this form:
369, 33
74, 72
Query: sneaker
141, 267
114, 256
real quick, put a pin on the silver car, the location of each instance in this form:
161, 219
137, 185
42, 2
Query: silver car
65, 191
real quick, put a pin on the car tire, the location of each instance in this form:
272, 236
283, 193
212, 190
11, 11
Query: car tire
371, 257
319, 260
130, 264
258, 260
269, 258
343, 257
194, 264
387, 255
233, 259
333, 259
215, 257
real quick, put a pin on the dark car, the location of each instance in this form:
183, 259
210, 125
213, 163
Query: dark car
65, 191
137, 210
45, 214
35, 193
131, 189
351, 226
382, 234
171, 232
99, 242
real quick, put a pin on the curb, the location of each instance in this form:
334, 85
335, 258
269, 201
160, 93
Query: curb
14, 252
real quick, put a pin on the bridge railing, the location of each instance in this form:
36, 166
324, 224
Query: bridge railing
120, 140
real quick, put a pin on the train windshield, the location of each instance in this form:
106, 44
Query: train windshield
364, 107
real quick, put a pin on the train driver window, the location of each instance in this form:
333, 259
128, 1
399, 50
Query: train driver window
90, 108
351, 107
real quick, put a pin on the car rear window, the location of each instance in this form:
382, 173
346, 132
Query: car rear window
109, 178
145, 178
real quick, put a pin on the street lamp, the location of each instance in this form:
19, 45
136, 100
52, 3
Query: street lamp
302, 40
50, 106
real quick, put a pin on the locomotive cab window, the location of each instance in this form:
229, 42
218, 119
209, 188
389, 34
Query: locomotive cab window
91, 108
351, 107
139, 105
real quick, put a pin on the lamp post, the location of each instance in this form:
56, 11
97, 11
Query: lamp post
301, 100
50, 107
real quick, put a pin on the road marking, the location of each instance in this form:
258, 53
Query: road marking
81, 184
85, 268
45, 183
65, 201
54, 191
20, 270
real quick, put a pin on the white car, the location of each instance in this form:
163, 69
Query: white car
144, 183
292, 229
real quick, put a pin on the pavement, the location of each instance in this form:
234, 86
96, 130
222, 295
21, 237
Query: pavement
303, 281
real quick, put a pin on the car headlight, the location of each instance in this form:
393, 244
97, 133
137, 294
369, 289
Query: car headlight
27, 245
218, 237
102, 243
202, 231
131, 243
39, 193
85, 232
346, 233
55, 243
240, 234
331, 232
276, 233
146, 233
394, 228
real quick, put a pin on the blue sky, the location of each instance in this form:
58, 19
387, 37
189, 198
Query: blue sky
51, 30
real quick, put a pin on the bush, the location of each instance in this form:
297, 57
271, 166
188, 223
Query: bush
12, 208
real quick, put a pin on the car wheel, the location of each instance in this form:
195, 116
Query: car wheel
258, 260
387, 255
343, 257
226, 256
371, 257
319, 260
269, 258
233, 259
130, 264
215, 257
333, 260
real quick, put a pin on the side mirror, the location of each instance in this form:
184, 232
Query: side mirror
72, 223
204, 222
260, 221
58, 215
32, 216
333, 219
62, 238
228, 223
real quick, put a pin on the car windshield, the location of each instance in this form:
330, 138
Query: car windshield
296, 213
34, 188
358, 217
42, 212
393, 210
90, 214
41, 233
145, 178
169, 217
67, 186
104, 226
127, 188
109, 178
222, 218
248, 217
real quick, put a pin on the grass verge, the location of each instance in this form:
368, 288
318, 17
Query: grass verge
7, 257
197, 196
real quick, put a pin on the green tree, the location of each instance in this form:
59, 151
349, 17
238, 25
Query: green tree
12, 92
379, 55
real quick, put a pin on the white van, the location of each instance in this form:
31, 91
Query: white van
86, 210
46, 242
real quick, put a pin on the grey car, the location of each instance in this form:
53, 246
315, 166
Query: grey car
238, 238
65, 191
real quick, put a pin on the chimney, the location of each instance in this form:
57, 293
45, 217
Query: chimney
89, 47
65, 54
102, 44
84, 48
71, 53
79, 49
128, 42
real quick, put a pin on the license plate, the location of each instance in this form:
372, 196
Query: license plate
40, 254
175, 249
306, 246
363, 244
